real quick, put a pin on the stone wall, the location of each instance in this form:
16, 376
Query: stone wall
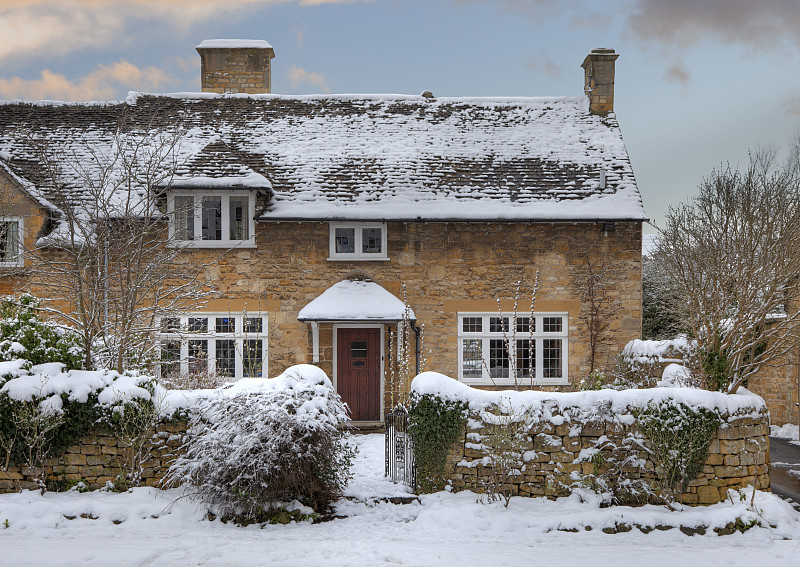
16, 204
447, 268
738, 456
99, 458
779, 386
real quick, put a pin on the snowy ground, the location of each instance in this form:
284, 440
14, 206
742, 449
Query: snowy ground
142, 528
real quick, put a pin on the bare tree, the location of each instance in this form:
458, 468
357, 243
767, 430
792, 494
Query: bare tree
109, 266
733, 252
592, 283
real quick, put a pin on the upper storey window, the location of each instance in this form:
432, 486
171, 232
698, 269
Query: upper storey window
212, 219
358, 241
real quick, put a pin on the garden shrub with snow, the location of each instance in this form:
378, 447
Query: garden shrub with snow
259, 444
24, 336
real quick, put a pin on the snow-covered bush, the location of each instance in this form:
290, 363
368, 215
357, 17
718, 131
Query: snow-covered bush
641, 363
262, 442
23, 335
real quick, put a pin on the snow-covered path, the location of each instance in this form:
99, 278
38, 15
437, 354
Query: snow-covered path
442, 529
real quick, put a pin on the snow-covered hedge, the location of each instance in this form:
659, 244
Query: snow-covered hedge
259, 443
53, 388
24, 335
670, 350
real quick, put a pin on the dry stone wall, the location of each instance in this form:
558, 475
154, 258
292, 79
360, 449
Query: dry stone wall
559, 453
98, 459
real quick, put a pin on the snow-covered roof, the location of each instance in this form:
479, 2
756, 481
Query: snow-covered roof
649, 244
218, 166
355, 301
233, 44
356, 157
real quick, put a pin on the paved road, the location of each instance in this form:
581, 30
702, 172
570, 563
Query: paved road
785, 457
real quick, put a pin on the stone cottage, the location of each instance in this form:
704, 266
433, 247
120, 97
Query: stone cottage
324, 220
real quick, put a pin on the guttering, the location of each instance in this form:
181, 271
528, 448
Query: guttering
454, 220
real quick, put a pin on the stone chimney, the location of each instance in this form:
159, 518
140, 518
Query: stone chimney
235, 66
598, 81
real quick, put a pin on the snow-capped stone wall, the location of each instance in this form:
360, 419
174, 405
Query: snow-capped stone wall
99, 458
572, 436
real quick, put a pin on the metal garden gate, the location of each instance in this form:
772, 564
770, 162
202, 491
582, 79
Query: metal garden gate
400, 466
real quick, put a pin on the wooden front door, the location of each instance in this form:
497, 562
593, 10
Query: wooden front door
358, 372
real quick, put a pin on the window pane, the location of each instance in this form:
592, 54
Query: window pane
198, 324
526, 358
471, 358
9, 241
371, 240
524, 325
551, 324
345, 240
252, 358
551, 358
170, 358
226, 357
170, 324
253, 325
358, 349
225, 325
212, 218
498, 324
498, 359
239, 218
472, 324
184, 218
198, 356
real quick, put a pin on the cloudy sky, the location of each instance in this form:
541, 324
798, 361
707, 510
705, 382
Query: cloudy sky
699, 82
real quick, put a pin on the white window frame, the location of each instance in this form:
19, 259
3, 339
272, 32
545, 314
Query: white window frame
358, 255
184, 335
538, 336
19, 260
225, 241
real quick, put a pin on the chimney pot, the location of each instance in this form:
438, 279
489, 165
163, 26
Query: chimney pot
599, 71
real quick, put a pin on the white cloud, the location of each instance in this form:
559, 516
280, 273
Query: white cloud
101, 84
763, 25
46, 27
298, 76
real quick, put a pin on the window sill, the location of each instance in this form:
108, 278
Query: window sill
358, 259
214, 244
510, 383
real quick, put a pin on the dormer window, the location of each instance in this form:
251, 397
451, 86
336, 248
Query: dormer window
212, 219
357, 241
